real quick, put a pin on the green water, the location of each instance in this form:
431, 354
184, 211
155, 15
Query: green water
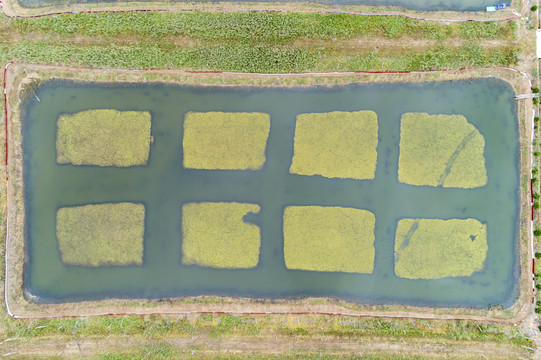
163, 186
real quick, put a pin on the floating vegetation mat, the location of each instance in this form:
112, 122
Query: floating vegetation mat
103, 234
433, 249
215, 235
441, 150
104, 137
329, 239
227, 141
336, 144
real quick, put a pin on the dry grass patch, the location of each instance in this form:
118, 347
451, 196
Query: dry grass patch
225, 141
336, 145
215, 235
103, 234
104, 137
433, 248
321, 238
441, 150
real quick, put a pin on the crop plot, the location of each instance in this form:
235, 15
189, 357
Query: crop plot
441, 150
336, 145
101, 235
320, 238
104, 137
432, 248
228, 141
215, 235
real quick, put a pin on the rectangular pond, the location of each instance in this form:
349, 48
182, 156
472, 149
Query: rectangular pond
420, 5
164, 187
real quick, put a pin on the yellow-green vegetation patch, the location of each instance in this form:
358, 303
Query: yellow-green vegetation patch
104, 137
336, 144
322, 238
103, 234
225, 140
441, 150
433, 248
214, 234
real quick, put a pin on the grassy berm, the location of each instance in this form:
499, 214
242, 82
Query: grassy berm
264, 42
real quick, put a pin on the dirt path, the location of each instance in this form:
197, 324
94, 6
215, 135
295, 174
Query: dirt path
200, 345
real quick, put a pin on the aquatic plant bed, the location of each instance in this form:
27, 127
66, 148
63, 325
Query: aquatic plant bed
261, 229
104, 138
101, 235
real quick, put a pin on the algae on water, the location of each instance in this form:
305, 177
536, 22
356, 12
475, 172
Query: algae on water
336, 144
433, 248
320, 238
441, 150
214, 234
224, 140
102, 234
104, 137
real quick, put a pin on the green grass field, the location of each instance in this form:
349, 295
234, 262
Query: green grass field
267, 42
319, 238
258, 26
441, 150
336, 145
215, 235
101, 235
433, 249
104, 137
219, 140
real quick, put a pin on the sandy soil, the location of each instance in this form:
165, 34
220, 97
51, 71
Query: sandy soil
19, 75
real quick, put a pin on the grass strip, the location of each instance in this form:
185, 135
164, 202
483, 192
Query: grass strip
433, 248
215, 235
270, 27
165, 351
216, 326
336, 145
104, 137
257, 58
434, 58
101, 235
319, 238
222, 140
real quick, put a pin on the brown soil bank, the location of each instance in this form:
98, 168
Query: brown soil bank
22, 78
